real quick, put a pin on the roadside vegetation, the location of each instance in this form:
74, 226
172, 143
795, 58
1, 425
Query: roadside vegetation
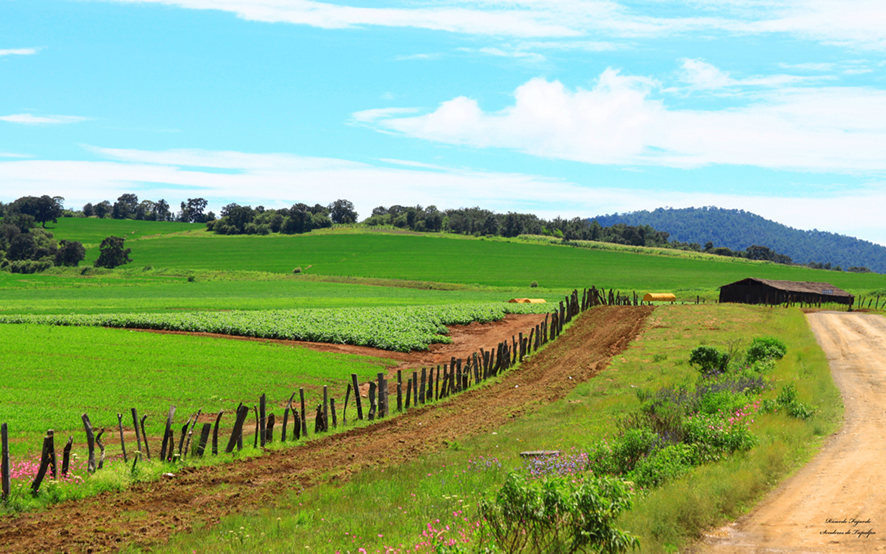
436, 502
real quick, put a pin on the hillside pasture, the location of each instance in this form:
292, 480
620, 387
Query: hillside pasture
91, 231
482, 262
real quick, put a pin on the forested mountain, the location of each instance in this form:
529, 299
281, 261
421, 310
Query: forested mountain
738, 229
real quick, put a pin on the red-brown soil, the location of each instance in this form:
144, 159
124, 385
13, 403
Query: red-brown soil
149, 513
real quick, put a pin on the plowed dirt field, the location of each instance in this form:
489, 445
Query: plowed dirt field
149, 513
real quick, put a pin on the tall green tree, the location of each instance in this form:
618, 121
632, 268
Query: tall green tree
112, 254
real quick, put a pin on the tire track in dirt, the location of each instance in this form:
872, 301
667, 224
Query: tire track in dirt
813, 511
148, 513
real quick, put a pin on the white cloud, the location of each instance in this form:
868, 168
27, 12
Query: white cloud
808, 66
278, 180
700, 75
418, 57
29, 119
619, 121
19, 52
369, 116
498, 52
856, 23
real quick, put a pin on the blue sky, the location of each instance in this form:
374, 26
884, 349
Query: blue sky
555, 107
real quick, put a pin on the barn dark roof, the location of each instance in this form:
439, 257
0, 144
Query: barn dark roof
806, 287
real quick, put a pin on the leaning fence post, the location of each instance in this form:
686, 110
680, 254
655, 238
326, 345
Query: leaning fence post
145, 436
90, 443
5, 470
48, 446
357, 396
122, 442
138, 436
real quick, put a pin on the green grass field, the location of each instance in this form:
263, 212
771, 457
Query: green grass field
138, 291
91, 231
51, 375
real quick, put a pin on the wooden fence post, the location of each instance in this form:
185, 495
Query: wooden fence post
66, 456
332, 411
48, 446
382, 398
372, 406
325, 408
5, 470
90, 443
145, 437
215, 433
138, 436
101, 448
167, 437
204, 438
304, 417
399, 390
191, 432
269, 429
344, 411
122, 442
237, 432
262, 422
357, 396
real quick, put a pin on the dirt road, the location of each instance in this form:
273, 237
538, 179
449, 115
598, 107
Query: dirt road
148, 513
836, 503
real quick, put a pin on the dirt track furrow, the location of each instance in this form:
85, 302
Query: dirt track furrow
202, 496
837, 502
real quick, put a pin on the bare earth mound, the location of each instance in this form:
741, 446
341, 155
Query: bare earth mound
149, 513
837, 502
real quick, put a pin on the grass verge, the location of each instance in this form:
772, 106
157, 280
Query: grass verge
420, 504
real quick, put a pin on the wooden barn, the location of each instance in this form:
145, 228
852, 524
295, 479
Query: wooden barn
767, 291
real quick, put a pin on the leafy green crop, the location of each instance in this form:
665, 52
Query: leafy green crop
402, 329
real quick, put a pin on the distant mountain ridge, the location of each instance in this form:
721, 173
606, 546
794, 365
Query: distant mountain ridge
738, 229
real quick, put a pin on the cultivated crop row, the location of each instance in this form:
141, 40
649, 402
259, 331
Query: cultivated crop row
391, 328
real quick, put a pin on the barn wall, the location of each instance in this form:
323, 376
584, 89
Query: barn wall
758, 293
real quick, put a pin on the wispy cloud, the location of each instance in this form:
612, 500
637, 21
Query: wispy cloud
409, 57
701, 75
856, 23
621, 122
278, 180
29, 119
369, 116
498, 52
19, 52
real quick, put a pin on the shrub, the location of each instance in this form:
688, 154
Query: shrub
558, 515
708, 360
766, 348
533, 284
668, 463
